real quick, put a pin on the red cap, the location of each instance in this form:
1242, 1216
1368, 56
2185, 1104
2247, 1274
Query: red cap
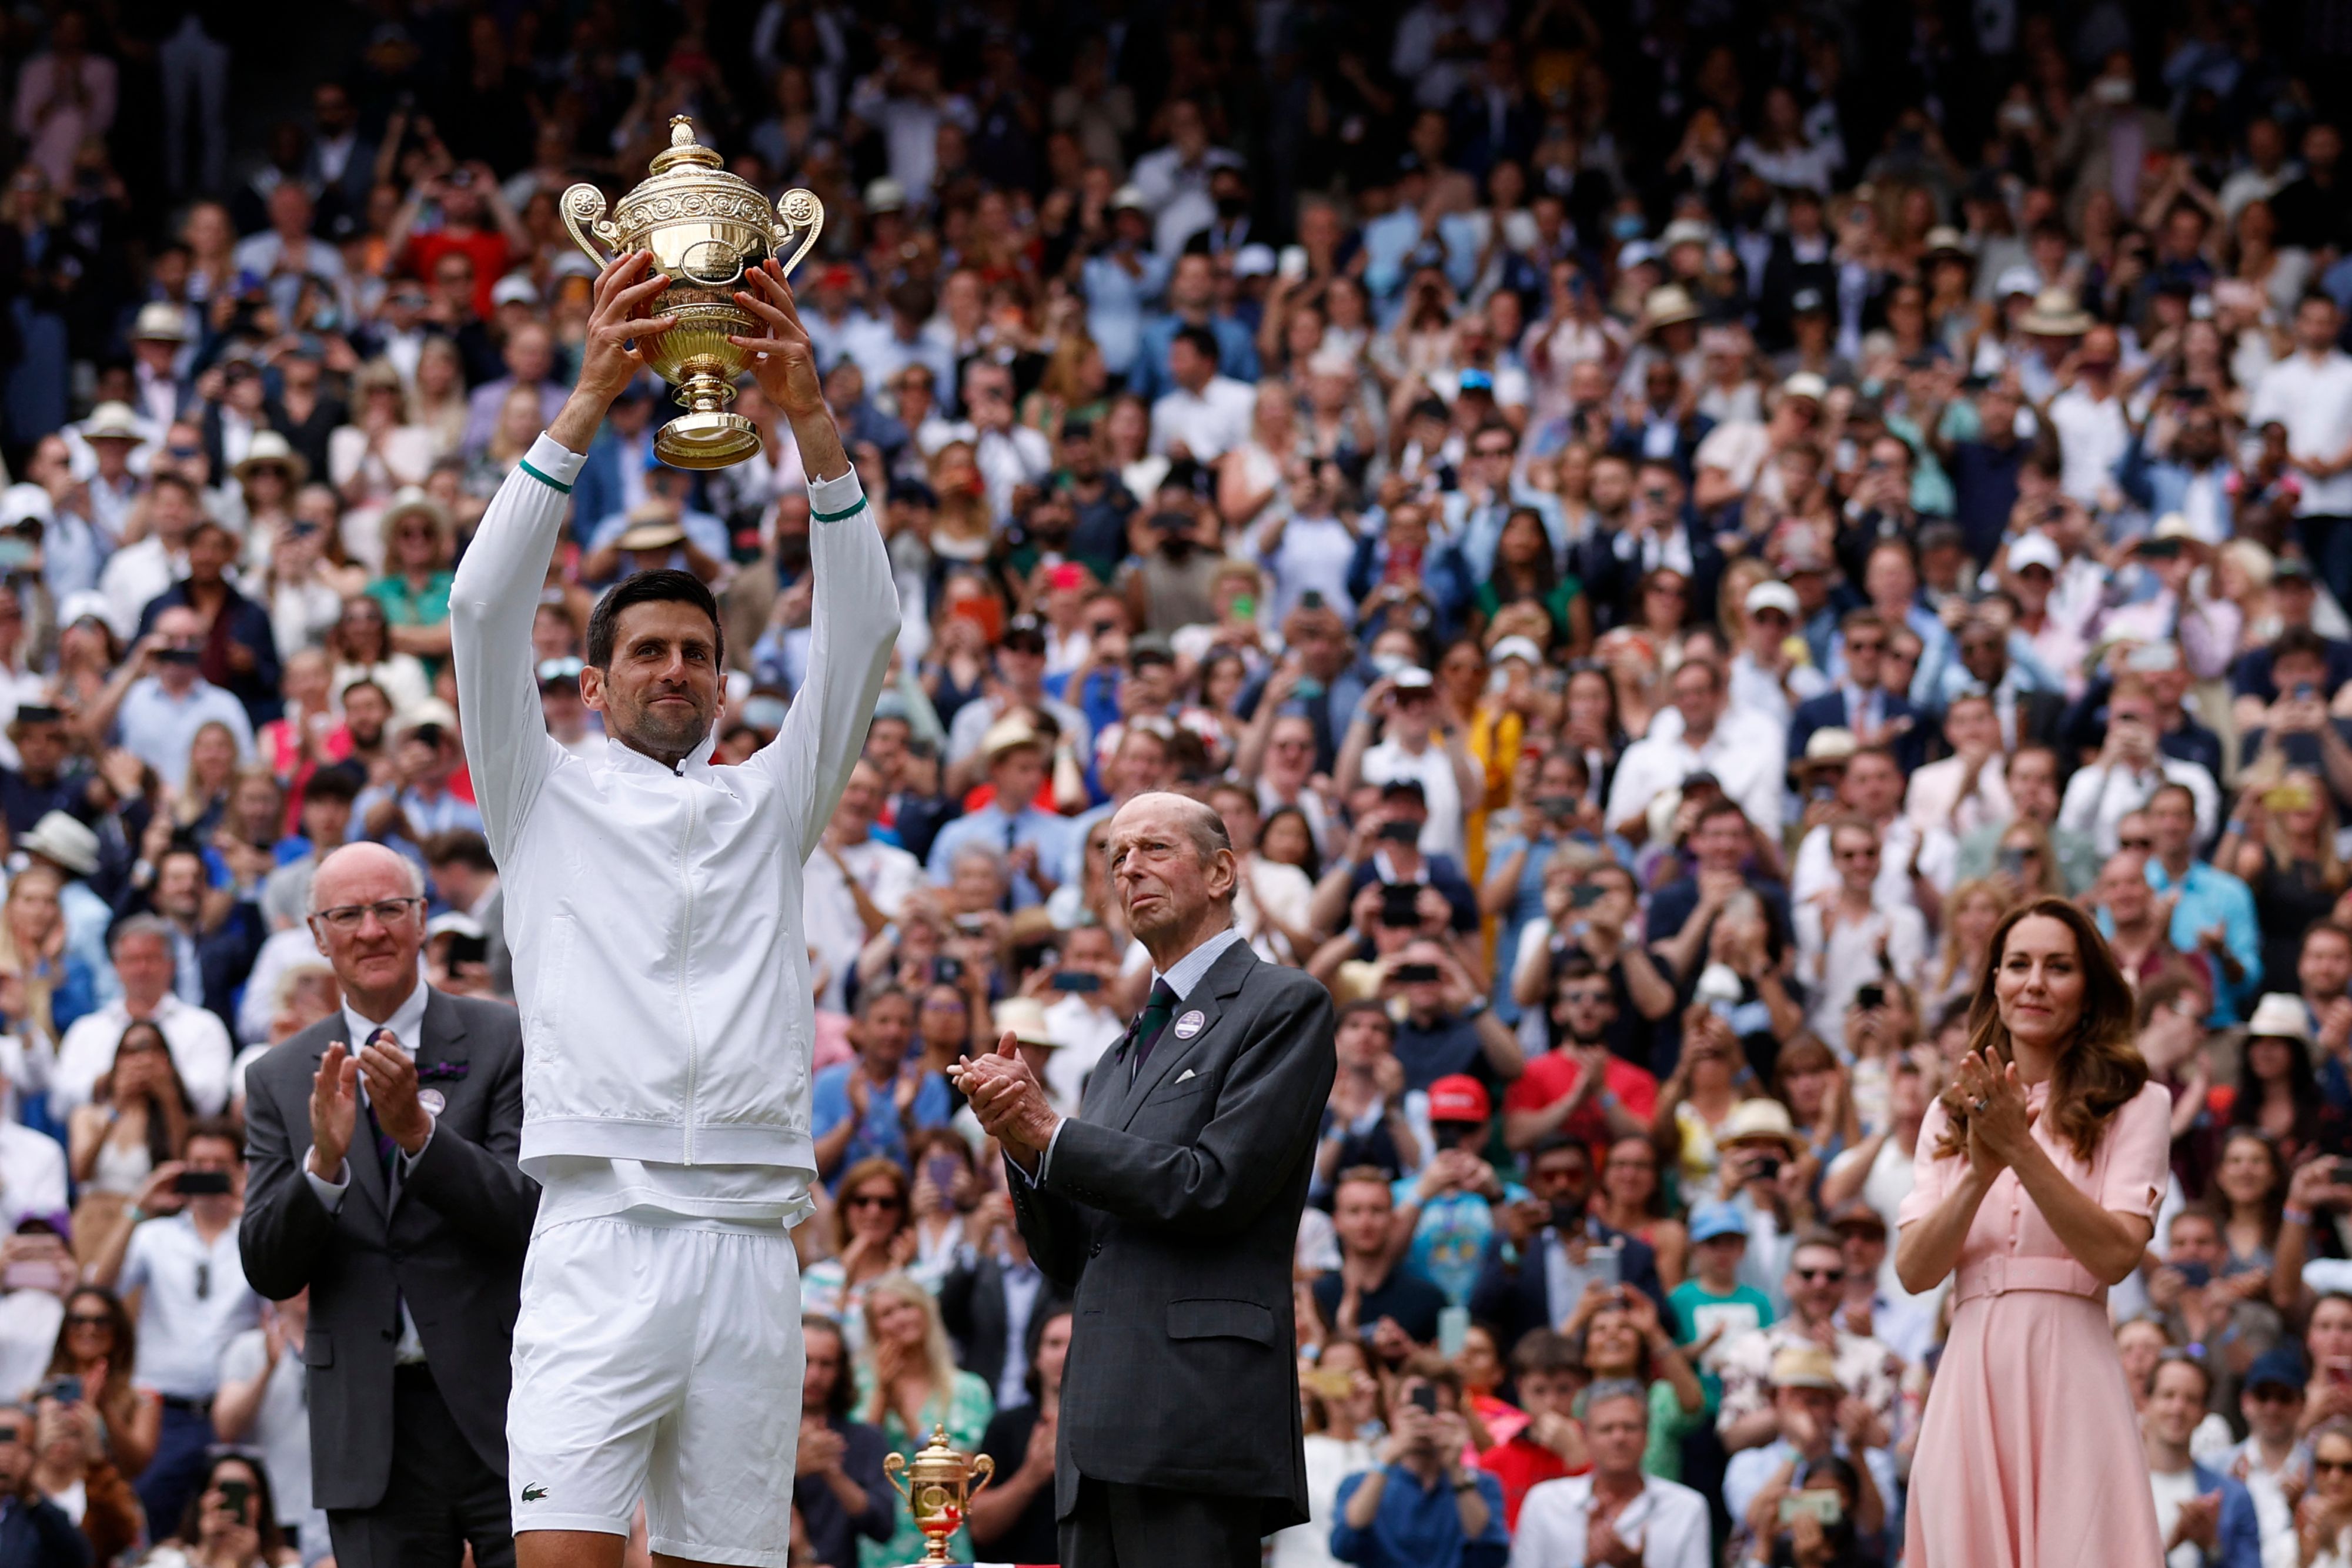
1458, 1097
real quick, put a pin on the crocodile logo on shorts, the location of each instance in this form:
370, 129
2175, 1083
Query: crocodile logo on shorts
533, 1494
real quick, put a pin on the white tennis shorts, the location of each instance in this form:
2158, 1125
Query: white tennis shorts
664, 1364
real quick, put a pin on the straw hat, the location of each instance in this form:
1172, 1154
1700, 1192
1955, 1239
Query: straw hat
1666, 304
2055, 314
270, 448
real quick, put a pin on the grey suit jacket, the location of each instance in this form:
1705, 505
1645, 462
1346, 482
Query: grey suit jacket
1169, 1209
452, 1246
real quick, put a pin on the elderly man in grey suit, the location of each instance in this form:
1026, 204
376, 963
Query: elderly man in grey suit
382, 1145
1169, 1206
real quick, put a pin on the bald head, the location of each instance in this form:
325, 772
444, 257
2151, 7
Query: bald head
367, 915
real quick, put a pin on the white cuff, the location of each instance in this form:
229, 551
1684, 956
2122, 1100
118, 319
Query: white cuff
331, 1193
553, 460
408, 1160
836, 499
1044, 1160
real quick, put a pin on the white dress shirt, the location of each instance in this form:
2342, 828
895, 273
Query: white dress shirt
407, 1026
199, 1043
1747, 753
1934, 799
2101, 795
1668, 1523
1209, 423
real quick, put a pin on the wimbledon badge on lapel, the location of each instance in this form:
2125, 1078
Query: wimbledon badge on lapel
433, 1100
1191, 1024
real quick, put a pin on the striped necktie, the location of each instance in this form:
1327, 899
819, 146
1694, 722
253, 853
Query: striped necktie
1149, 1024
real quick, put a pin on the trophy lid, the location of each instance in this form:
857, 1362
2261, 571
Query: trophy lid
682, 150
938, 1459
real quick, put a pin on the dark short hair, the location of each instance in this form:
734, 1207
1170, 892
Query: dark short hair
665, 584
1542, 1351
843, 1397
332, 784
223, 1128
463, 847
1203, 341
1368, 1008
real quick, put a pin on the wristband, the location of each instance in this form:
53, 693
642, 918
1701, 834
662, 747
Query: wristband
2237, 828
1607, 1100
1467, 1483
2293, 1215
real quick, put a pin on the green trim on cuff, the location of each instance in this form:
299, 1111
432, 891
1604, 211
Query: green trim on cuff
552, 483
837, 517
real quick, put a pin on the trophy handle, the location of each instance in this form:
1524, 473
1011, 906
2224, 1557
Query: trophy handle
584, 217
803, 215
892, 1464
983, 1470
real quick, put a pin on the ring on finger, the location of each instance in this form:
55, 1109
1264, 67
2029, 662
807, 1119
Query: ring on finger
1984, 1105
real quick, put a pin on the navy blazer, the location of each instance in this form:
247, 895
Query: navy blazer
1515, 1297
1827, 711
37, 1534
2241, 1533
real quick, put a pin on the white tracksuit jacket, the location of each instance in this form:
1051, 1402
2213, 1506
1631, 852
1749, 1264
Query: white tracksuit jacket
656, 914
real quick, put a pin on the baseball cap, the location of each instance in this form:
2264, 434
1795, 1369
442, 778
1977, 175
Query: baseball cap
1458, 1097
1776, 596
1026, 630
514, 288
1709, 1220
2281, 1366
1854, 1214
1413, 678
2034, 549
1477, 380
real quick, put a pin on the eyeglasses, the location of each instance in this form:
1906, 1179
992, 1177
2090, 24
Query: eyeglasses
388, 912
1864, 645
2331, 1466
2279, 1394
871, 1200
1584, 998
2134, 843
1821, 1276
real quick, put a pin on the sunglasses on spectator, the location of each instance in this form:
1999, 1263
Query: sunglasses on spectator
2134, 843
1821, 1276
2331, 1466
871, 1200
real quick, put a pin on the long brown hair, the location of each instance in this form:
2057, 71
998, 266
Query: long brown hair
2099, 1071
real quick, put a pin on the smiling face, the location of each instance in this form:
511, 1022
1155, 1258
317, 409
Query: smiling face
2039, 986
661, 696
375, 953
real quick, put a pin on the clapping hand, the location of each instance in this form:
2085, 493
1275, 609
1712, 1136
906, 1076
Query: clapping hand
1007, 1098
2000, 1121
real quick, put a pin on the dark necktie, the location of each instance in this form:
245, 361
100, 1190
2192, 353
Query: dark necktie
1149, 1025
387, 1152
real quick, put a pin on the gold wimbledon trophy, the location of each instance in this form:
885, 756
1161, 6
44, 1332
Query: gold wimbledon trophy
705, 226
941, 1483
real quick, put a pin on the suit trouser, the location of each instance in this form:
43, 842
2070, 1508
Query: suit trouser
1116, 1526
441, 1496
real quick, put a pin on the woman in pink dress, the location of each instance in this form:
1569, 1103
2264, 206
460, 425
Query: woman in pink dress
2036, 1186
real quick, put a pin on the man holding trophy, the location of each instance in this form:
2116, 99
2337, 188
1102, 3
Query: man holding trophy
654, 902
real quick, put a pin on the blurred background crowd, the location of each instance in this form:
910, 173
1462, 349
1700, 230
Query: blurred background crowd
1653, 527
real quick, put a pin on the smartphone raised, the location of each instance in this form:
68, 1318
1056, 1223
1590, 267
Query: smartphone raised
237, 1498
1417, 974
1076, 980
1400, 903
201, 1183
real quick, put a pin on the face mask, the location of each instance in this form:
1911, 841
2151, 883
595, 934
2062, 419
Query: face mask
1389, 665
2112, 90
1627, 225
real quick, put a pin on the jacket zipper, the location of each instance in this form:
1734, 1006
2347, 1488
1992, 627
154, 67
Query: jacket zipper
685, 955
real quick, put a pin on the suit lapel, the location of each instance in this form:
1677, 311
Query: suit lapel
1208, 999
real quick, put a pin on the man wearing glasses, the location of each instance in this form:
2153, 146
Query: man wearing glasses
383, 1142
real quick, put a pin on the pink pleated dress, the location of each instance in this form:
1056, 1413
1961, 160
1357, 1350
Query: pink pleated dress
2029, 1455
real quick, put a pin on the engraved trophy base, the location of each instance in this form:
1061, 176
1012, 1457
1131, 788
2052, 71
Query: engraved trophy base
705, 439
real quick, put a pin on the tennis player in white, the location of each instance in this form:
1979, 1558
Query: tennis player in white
653, 903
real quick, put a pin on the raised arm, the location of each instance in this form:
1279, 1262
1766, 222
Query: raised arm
854, 615
496, 594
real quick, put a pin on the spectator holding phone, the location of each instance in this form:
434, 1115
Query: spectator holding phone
34, 1532
264, 1407
70, 1469
230, 1521
97, 1348
193, 1300
1423, 1507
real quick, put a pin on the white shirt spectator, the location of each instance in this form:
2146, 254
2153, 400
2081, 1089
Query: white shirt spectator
829, 911
1209, 423
196, 1301
2101, 795
1745, 753
281, 1427
1938, 852
31, 1176
1082, 1028
1667, 1523
1433, 770
157, 728
2312, 398
29, 1321
135, 575
1934, 799
1177, 192
1008, 459
1414, 58
1313, 554
200, 1052
2092, 439
1833, 969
